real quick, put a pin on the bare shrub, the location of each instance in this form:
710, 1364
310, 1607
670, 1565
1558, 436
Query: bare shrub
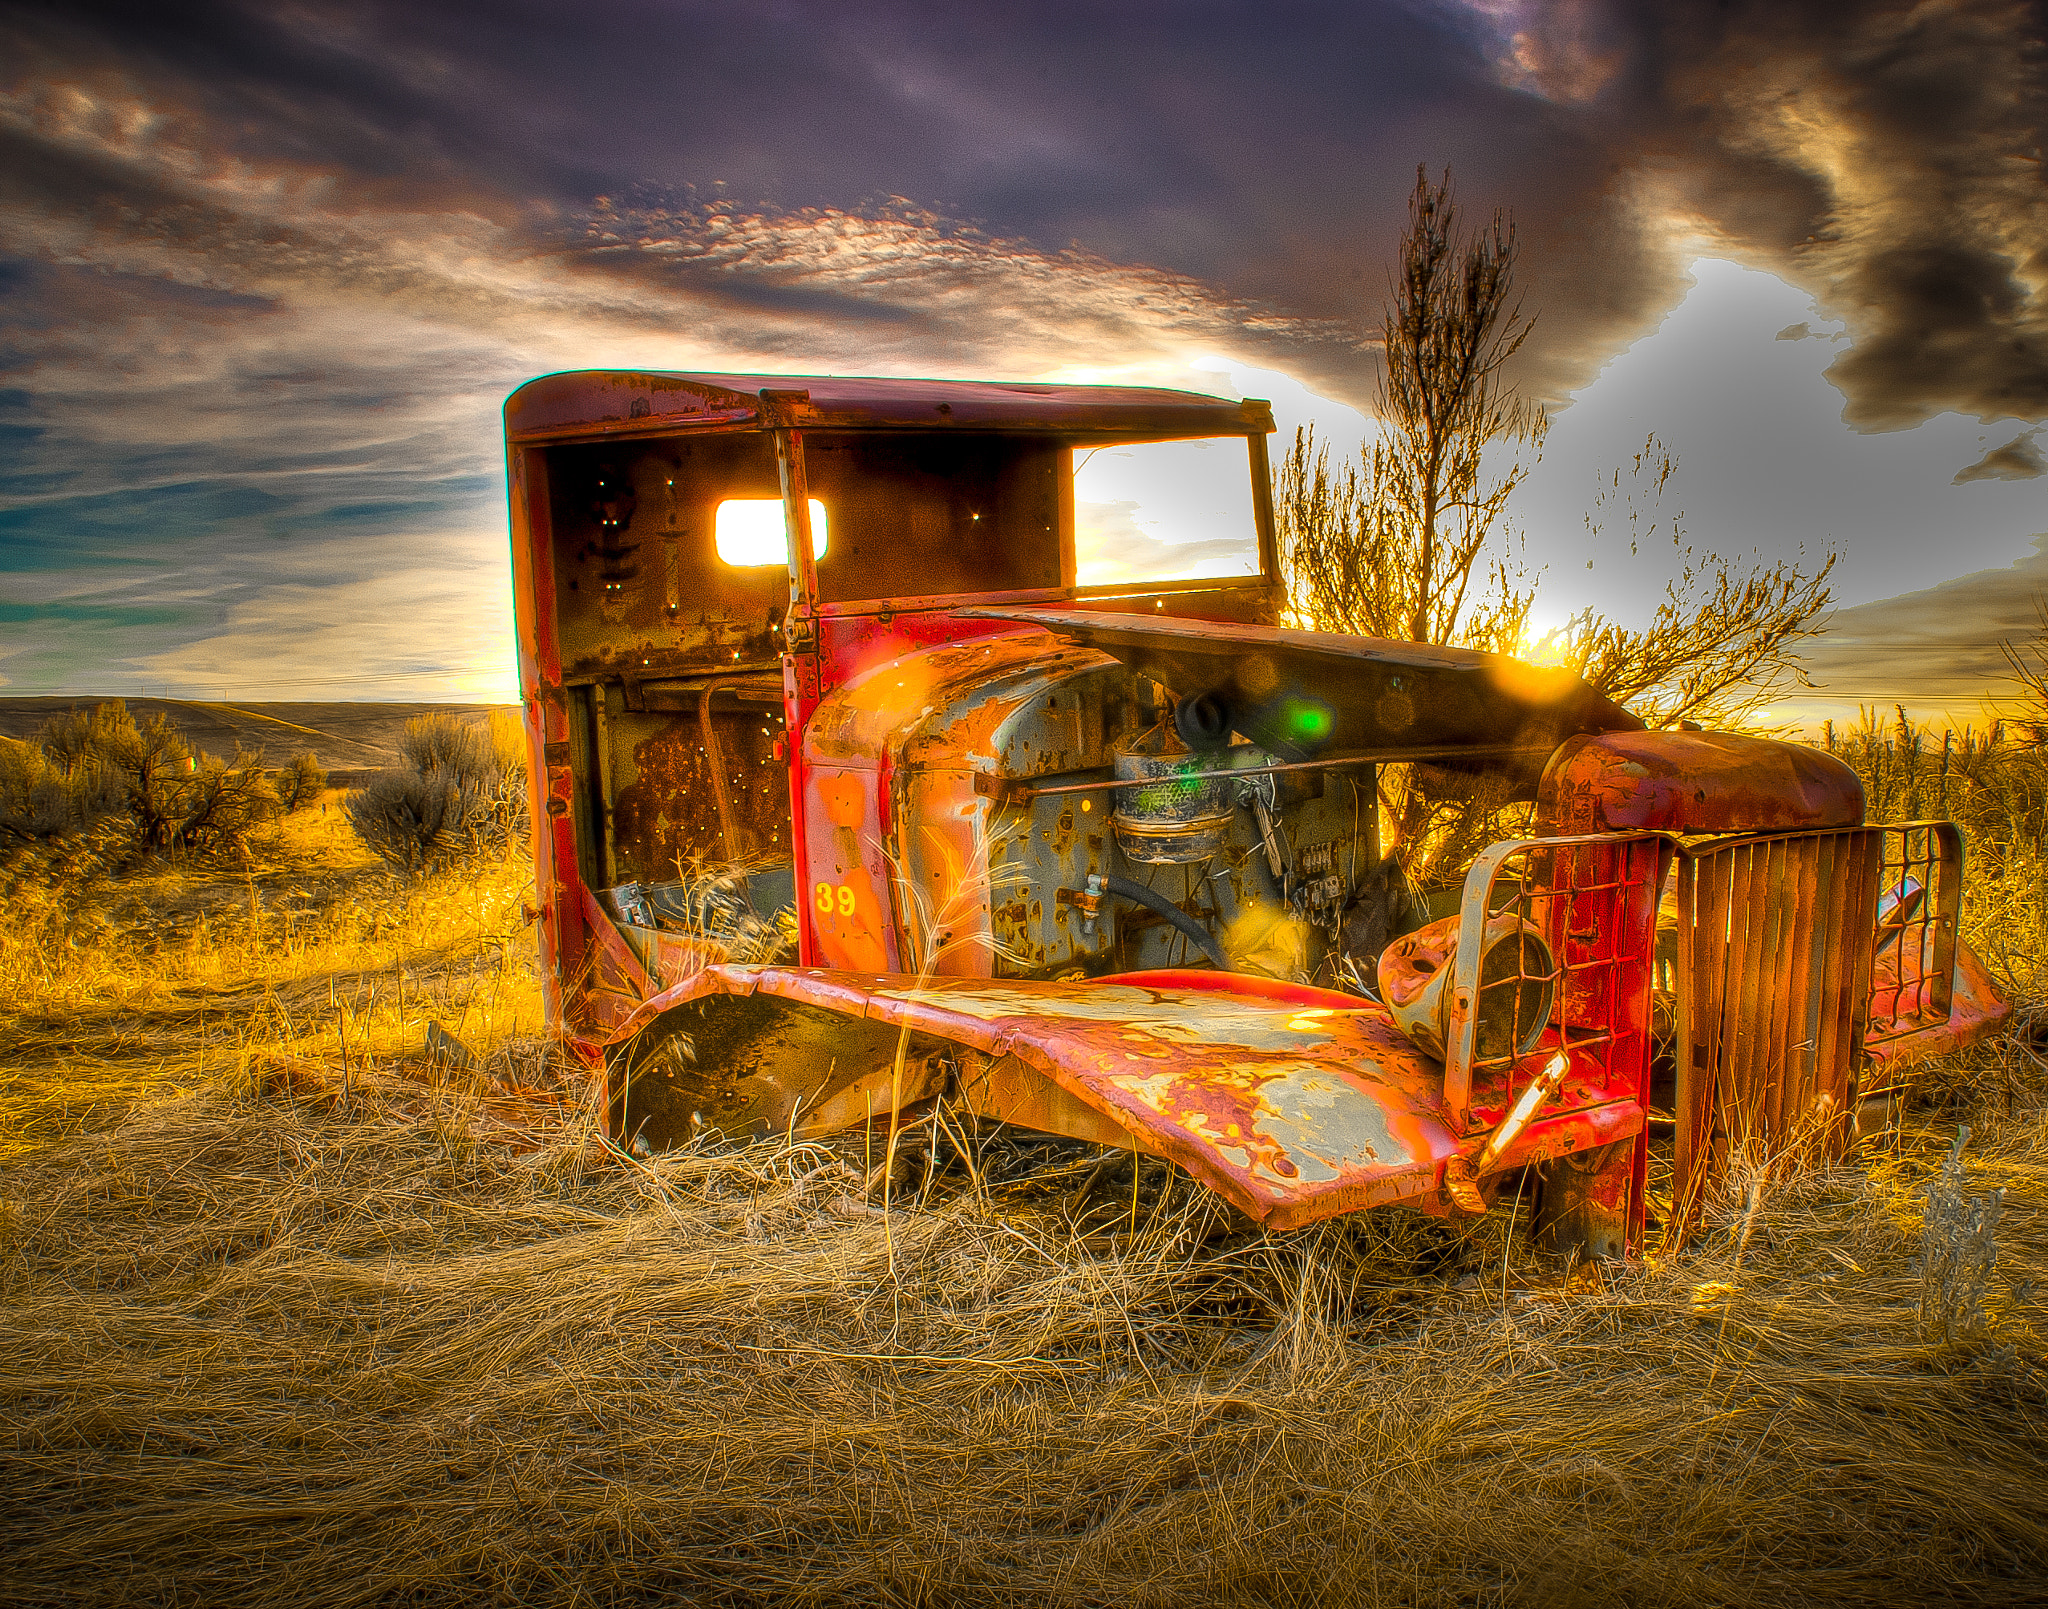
1411, 541
1723, 641
179, 799
2029, 661
223, 802
413, 820
41, 800
84, 738
85, 764
300, 782
1958, 1248
432, 743
461, 792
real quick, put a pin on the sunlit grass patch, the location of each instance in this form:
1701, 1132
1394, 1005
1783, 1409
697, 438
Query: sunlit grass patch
292, 1313
190, 974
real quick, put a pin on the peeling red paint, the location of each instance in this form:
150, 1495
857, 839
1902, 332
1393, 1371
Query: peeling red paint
1293, 1109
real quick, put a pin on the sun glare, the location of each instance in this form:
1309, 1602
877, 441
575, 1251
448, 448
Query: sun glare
750, 531
1544, 646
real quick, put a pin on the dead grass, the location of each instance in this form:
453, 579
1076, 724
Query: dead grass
339, 1346
190, 975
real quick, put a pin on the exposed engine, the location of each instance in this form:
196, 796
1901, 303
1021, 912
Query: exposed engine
1014, 852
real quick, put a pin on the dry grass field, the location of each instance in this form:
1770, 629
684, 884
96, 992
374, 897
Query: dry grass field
346, 737
293, 1312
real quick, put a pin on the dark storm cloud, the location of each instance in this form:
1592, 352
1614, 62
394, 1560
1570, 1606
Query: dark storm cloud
1940, 646
2018, 459
1265, 152
1886, 156
307, 247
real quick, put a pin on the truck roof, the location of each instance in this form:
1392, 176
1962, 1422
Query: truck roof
634, 402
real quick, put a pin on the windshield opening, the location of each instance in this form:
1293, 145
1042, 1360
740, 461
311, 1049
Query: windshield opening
1164, 511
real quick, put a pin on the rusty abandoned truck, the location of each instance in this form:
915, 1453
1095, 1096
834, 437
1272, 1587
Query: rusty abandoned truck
1027, 761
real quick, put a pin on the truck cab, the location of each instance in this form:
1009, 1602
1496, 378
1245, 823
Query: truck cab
690, 668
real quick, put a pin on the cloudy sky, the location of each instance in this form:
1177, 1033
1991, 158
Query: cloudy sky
267, 272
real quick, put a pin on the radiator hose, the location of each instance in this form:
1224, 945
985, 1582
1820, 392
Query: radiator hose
1139, 894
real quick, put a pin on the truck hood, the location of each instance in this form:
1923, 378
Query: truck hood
1299, 694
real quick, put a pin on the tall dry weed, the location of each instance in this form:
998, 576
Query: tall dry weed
1958, 1250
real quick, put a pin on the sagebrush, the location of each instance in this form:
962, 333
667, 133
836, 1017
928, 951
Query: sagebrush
88, 765
461, 791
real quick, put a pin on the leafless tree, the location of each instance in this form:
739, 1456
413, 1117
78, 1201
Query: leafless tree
1390, 546
1411, 540
1722, 643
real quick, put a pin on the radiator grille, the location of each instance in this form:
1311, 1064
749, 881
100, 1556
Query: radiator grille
1775, 936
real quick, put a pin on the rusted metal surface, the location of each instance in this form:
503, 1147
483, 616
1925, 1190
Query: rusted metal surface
1693, 782
620, 403
1590, 1203
748, 1066
1008, 1089
1593, 900
550, 776
1814, 968
1976, 1011
667, 812
888, 764
1300, 693
625, 615
1014, 792
1775, 943
783, 408
640, 592
729, 840
615, 980
1293, 1104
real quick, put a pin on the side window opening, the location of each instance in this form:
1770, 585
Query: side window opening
671, 657
750, 531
